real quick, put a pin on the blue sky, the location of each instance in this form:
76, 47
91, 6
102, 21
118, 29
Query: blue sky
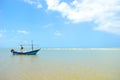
60, 23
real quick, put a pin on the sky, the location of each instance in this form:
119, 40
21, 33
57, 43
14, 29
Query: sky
60, 23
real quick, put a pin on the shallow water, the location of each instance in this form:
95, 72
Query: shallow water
61, 64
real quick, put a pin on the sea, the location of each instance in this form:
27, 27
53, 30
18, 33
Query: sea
61, 64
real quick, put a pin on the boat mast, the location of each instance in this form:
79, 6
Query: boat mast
32, 45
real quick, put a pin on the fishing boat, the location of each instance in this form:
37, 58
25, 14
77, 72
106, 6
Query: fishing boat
32, 52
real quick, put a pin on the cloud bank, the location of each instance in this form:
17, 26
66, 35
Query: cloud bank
104, 13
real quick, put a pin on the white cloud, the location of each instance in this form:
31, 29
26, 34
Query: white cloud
104, 13
1, 35
39, 6
57, 33
2, 31
23, 32
48, 25
30, 1
34, 2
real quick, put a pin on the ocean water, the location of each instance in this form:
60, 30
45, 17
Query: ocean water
61, 64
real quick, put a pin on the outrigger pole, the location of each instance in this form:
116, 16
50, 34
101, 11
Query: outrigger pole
32, 44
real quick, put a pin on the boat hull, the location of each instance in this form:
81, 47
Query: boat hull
34, 52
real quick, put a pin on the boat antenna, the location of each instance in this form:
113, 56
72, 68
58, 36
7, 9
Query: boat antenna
32, 45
